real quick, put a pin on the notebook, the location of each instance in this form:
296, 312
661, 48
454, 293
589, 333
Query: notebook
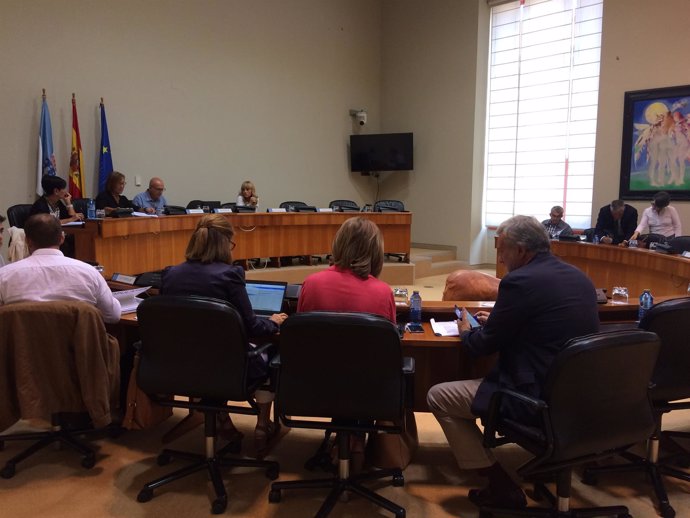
266, 296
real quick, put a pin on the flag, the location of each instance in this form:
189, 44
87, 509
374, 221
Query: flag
76, 159
105, 162
46, 157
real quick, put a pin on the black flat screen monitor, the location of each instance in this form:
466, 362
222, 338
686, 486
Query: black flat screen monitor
381, 152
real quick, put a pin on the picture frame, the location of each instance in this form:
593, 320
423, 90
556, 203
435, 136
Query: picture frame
655, 154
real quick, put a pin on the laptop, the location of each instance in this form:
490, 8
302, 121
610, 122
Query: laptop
266, 296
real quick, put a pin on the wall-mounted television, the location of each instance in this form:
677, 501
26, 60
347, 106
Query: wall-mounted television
381, 152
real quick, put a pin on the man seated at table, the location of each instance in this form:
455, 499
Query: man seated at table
616, 222
47, 275
542, 303
152, 200
555, 225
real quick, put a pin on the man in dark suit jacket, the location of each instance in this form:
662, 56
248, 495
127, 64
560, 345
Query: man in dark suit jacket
616, 222
542, 303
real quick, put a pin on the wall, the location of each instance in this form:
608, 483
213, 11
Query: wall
644, 46
429, 59
205, 94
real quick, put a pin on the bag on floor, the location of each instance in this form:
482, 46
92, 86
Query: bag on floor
142, 412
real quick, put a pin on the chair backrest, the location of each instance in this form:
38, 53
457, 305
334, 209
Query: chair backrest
343, 205
201, 203
228, 205
594, 406
389, 206
340, 365
192, 346
292, 204
680, 244
589, 234
81, 205
671, 321
56, 357
18, 214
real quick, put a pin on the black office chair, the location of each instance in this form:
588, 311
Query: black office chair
197, 347
670, 384
589, 234
344, 206
679, 244
229, 205
18, 214
589, 410
292, 206
363, 377
81, 205
198, 204
57, 364
389, 206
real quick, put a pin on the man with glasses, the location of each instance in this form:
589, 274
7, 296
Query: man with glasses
555, 226
152, 200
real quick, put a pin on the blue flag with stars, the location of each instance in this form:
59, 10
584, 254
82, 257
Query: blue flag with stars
105, 162
46, 157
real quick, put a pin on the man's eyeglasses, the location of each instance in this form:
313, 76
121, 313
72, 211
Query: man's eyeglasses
161, 189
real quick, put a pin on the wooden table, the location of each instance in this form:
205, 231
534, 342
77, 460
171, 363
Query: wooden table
140, 244
635, 268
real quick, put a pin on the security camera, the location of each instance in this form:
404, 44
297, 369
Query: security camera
361, 117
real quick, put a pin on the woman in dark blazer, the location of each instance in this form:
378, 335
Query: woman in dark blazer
209, 272
112, 198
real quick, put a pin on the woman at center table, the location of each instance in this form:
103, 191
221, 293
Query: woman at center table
209, 272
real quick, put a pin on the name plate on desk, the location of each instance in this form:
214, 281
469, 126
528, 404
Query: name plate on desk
124, 279
225, 210
324, 209
276, 209
686, 254
195, 211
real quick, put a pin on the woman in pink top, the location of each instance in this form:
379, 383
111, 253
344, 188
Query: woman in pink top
351, 283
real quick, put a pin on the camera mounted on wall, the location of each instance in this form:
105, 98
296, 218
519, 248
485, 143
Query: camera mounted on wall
360, 116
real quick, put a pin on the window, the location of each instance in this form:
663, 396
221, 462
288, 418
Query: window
542, 109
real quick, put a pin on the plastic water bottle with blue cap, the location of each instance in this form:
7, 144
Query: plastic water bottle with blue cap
416, 307
646, 303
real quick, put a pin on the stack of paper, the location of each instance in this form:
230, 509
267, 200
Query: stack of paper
128, 299
444, 328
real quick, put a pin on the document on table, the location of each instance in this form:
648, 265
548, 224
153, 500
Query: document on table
73, 224
144, 215
444, 328
128, 299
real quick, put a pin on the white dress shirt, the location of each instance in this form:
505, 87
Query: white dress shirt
666, 223
47, 275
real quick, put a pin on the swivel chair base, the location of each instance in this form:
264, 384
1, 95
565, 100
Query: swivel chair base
212, 461
343, 482
58, 435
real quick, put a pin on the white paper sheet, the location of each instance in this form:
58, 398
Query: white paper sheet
444, 328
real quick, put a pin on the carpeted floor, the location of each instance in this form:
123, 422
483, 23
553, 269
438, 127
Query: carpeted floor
53, 484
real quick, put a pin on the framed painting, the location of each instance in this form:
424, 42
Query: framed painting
655, 154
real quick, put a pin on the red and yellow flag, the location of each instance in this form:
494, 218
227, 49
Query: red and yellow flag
76, 162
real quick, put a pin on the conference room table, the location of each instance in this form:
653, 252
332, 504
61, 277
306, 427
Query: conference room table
134, 245
635, 268
437, 358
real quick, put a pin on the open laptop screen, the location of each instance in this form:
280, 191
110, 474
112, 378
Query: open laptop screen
266, 296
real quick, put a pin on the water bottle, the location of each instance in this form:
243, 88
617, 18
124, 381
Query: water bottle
416, 307
91, 209
646, 302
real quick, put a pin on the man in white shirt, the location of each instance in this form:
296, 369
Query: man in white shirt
152, 200
47, 275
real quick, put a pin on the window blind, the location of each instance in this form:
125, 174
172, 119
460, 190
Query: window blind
542, 109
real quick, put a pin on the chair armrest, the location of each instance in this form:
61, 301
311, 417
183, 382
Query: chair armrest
408, 365
275, 362
408, 369
259, 350
491, 435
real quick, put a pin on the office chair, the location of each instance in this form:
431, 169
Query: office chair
389, 206
589, 234
291, 206
679, 244
229, 205
363, 378
588, 411
670, 384
174, 331
18, 214
56, 361
197, 204
81, 205
344, 206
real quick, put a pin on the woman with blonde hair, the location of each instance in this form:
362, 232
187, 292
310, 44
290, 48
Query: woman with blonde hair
208, 272
351, 282
247, 196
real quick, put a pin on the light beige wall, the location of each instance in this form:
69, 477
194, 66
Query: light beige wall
645, 45
429, 60
204, 93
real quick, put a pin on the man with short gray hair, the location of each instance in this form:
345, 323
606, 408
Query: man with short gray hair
542, 303
616, 222
555, 225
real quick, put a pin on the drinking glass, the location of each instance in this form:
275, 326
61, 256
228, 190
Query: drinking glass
206, 209
632, 243
100, 213
619, 295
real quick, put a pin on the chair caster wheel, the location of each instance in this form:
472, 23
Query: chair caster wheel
88, 462
398, 481
163, 459
219, 505
589, 478
145, 495
274, 496
667, 511
8, 471
272, 472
